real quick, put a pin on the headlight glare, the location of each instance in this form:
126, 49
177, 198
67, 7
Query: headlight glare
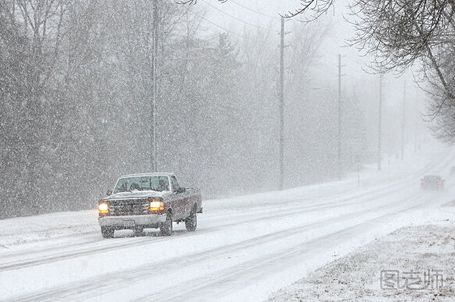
103, 208
156, 206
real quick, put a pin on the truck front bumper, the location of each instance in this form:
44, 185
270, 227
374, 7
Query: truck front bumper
126, 222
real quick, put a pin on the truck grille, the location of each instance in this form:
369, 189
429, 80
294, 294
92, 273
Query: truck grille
128, 207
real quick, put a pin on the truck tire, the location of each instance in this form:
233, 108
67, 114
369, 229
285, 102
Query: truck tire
139, 231
191, 221
107, 232
166, 227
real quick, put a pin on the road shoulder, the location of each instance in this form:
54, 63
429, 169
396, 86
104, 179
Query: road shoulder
421, 257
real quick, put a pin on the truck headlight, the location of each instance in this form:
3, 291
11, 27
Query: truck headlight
103, 208
156, 206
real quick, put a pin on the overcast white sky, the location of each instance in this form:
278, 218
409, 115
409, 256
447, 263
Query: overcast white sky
234, 16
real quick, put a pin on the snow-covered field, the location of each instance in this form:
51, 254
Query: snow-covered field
245, 248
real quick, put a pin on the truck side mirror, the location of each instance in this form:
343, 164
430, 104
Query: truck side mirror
109, 192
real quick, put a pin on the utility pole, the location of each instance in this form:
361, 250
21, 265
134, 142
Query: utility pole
155, 84
281, 96
403, 121
339, 119
416, 120
380, 123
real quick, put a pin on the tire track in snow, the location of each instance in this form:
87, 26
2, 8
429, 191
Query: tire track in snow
95, 286
226, 280
383, 190
295, 211
327, 201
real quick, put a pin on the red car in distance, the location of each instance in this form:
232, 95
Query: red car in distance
432, 182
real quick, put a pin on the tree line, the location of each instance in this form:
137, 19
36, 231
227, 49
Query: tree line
75, 104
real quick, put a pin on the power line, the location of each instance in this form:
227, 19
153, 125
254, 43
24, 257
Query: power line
215, 24
233, 17
253, 10
219, 26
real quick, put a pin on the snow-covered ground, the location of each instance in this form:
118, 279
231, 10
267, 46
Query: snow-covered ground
245, 248
414, 263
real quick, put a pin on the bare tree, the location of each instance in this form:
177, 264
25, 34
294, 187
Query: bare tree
315, 8
399, 34
32, 31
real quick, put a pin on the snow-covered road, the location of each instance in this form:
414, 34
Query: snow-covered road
245, 248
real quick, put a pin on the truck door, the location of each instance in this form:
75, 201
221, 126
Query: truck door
181, 199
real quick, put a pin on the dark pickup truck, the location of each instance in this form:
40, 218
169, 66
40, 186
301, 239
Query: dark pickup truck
148, 200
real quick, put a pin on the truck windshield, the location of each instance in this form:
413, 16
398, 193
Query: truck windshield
143, 183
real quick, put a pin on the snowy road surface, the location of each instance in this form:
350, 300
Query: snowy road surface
245, 248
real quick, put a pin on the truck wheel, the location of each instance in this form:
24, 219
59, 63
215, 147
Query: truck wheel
139, 231
191, 222
107, 232
166, 227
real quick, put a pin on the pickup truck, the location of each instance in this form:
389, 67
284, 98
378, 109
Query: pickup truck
148, 200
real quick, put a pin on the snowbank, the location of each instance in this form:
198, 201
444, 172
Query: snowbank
414, 263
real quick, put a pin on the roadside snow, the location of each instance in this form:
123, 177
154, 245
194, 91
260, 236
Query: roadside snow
39, 230
426, 251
